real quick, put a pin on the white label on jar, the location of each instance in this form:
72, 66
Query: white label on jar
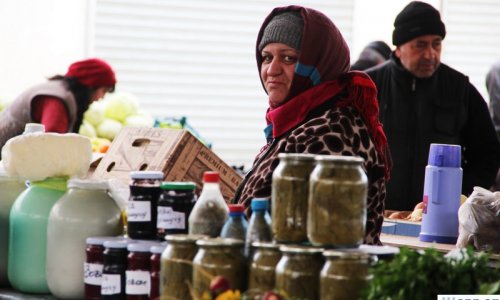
111, 284
92, 273
138, 283
170, 219
139, 211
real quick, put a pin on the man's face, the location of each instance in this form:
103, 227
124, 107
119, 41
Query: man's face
421, 56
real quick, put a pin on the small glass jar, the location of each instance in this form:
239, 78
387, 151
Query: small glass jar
262, 273
297, 272
345, 274
143, 204
177, 265
113, 271
138, 277
337, 202
219, 256
174, 207
155, 262
290, 189
93, 266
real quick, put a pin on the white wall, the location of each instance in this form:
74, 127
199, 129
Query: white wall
39, 39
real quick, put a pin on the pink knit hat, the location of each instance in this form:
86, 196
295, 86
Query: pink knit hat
92, 73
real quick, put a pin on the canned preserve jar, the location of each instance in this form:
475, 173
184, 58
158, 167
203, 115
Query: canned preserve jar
138, 277
344, 274
290, 188
143, 203
219, 256
262, 274
337, 202
297, 272
155, 271
113, 271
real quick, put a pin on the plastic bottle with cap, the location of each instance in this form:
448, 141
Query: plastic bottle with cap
236, 226
210, 211
442, 190
259, 228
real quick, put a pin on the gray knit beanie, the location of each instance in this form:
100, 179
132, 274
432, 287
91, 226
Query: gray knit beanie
284, 28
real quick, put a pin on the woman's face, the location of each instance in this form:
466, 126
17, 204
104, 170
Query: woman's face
99, 93
277, 71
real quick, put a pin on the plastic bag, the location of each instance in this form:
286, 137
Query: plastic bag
479, 221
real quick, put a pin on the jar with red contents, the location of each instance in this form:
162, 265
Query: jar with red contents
155, 262
93, 266
138, 277
113, 271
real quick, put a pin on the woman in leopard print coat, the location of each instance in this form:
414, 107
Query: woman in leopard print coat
316, 105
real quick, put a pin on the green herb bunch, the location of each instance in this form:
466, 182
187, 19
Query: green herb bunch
424, 275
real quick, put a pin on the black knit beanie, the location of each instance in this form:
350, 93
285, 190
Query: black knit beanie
284, 28
417, 19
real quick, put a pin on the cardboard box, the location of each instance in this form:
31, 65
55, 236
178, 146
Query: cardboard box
175, 152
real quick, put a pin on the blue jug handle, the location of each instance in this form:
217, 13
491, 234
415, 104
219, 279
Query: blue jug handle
435, 186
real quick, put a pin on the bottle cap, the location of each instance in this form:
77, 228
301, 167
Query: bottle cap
146, 175
260, 204
443, 155
211, 177
178, 186
236, 208
158, 249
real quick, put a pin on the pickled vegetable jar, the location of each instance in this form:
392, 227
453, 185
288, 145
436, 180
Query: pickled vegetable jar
262, 274
337, 202
289, 197
344, 274
297, 272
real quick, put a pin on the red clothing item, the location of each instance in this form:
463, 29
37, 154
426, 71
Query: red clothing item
51, 112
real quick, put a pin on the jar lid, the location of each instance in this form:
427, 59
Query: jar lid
347, 254
297, 156
146, 175
216, 242
88, 184
296, 249
178, 186
99, 240
340, 158
259, 204
158, 249
184, 238
116, 244
139, 247
266, 245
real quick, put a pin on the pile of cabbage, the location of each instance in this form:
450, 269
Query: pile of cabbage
105, 118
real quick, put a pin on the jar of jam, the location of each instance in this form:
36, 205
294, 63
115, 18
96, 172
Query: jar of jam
93, 266
138, 277
143, 203
297, 272
261, 276
155, 263
345, 274
113, 271
290, 188
337, 202
176, 265
219, 256
174, 207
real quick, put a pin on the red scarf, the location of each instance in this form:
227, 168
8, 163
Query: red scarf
361, 94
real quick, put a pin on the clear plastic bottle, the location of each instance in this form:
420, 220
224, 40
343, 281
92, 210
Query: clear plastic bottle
259, 228
236, 226
210, 212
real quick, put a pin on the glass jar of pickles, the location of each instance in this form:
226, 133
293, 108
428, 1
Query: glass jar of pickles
219, 257
337, 202
261, 275
177, 267
289, 197
297, 272
344, 274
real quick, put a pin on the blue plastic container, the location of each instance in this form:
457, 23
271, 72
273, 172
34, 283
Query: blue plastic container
442, 190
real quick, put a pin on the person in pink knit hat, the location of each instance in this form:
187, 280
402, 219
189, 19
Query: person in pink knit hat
60, 102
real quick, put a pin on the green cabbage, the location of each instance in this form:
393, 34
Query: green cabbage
109, 129
120, 105
87, 129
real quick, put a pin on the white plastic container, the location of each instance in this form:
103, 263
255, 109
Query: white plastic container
85, 210
210, 211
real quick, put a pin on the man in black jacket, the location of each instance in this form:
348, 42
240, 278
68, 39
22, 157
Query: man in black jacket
423, 101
